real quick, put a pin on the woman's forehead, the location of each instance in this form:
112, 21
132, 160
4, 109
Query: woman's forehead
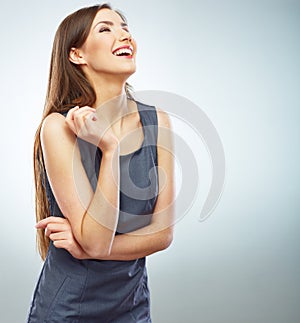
107, 15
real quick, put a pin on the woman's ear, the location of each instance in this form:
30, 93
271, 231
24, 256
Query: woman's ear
76, 57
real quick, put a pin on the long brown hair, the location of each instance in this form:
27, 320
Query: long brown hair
67, 87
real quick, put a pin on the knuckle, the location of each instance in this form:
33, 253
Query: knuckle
49, 227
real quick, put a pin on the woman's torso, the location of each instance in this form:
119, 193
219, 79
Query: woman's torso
89, 288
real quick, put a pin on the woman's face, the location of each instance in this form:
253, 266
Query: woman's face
109, 48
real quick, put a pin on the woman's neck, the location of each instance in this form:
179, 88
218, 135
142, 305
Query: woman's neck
111, 98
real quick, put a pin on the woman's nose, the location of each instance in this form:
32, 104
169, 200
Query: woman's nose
125, 35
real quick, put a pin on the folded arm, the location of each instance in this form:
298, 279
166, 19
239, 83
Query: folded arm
92, 215
157, 235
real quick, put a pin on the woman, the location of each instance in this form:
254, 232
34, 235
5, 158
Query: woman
102, 206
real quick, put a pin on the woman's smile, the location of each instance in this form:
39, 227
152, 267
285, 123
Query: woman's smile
109, 35
124, 51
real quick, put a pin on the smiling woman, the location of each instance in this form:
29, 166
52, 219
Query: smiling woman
101, 53
102, 206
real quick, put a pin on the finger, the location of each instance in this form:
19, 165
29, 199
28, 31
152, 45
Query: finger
59, 236
71, 125
79, 121
50, 219
47, 232
62, 244
71, 112
43, 223
73, 248
87, 108
90, 122
80, 117
93, 117
70, 117
73, 117
82, 112
58, 227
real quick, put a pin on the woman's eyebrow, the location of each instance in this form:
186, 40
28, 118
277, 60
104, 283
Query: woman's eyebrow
107, 22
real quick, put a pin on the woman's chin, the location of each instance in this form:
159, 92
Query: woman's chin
126, 73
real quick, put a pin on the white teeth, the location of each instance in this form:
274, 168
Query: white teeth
123, 51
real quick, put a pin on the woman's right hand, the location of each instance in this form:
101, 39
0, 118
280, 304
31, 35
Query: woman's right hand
60, 232
86, 125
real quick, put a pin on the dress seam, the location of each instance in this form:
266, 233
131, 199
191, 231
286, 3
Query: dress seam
82, 293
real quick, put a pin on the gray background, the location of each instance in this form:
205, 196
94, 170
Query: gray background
239, 62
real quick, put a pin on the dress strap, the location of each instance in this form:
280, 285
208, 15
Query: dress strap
149, 121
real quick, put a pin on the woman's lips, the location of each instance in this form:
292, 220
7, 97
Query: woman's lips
123, 51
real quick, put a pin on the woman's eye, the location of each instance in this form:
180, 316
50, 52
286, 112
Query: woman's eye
104, 29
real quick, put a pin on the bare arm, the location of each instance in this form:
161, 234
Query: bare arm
158, 234
93, 216
152, 238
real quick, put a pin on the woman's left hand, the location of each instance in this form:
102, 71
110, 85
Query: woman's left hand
60, 232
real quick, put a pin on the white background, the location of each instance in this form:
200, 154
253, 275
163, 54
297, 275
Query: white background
239, 62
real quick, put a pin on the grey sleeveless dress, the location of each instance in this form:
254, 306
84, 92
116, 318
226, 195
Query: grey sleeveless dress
90, 291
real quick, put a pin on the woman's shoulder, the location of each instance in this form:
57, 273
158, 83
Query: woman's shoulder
158, 115
163, 118
54, 117
54, 128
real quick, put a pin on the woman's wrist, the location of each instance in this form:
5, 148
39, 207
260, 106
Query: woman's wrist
112, 150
